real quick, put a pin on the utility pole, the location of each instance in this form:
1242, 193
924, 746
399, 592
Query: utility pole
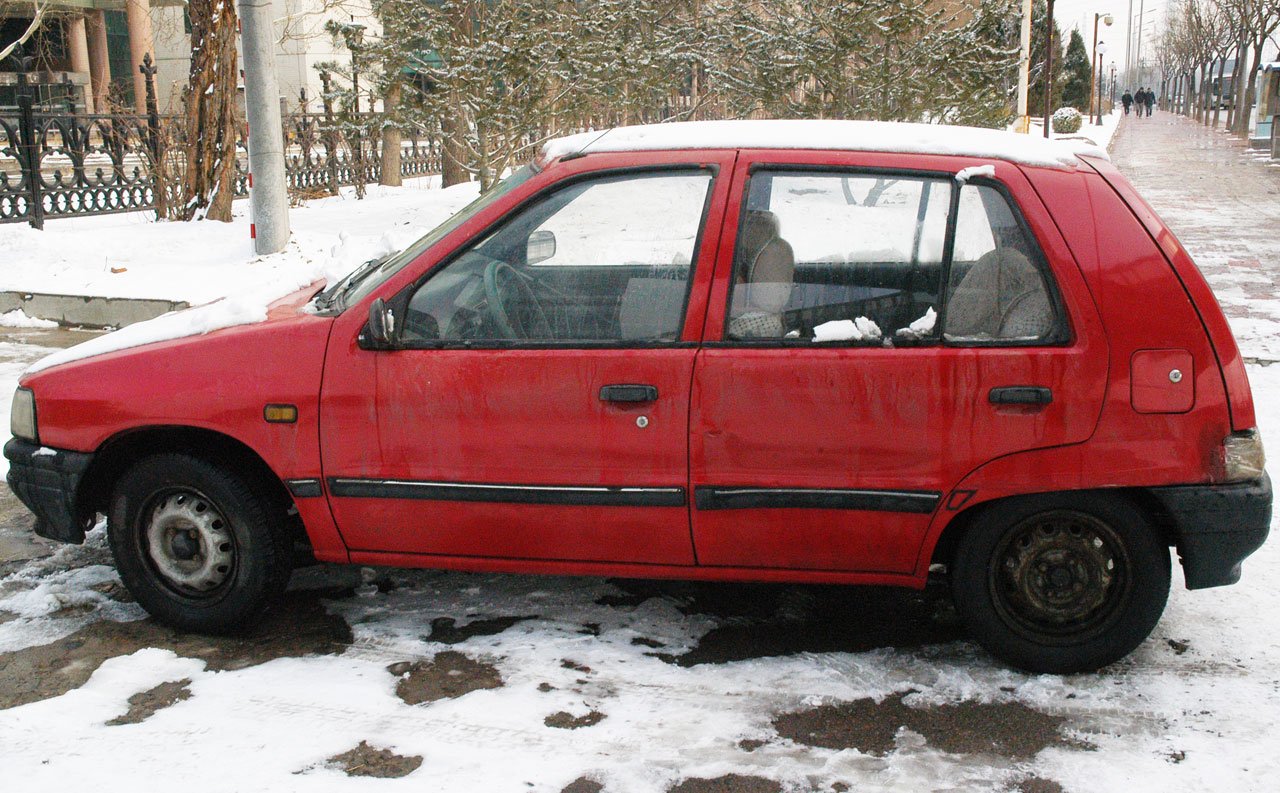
1048, 69
268, 196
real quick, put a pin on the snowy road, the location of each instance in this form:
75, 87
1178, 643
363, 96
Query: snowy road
490, 683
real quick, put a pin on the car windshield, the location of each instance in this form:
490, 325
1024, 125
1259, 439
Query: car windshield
364, 279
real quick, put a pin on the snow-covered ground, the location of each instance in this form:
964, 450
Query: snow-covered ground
131, 255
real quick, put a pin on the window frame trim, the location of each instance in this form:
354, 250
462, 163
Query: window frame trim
400, 301
1061, 335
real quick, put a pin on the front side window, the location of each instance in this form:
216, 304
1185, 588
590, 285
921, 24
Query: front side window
837, 257
603, 260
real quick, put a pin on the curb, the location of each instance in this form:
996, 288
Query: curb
87, 311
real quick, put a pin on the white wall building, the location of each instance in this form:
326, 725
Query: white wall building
302, 43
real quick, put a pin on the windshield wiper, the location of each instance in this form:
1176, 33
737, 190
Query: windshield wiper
332, 296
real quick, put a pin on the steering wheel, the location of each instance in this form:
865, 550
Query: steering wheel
503, 287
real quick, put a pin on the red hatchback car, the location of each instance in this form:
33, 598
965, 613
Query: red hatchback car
837, 352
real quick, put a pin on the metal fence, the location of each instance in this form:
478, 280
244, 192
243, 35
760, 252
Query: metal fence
61, 164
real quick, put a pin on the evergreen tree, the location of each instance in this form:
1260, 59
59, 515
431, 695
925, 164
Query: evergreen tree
1075, 74
1035, 94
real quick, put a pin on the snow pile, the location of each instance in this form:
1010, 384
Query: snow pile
132, 255
965, 174
921, 327
828, 134
19, 319
860, 329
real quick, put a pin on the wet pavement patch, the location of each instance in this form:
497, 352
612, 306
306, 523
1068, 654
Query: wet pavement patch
567, 721
448, 675
1009, 729
776, 621
297, 626
364, 760
444, 632
146, 704
729, 783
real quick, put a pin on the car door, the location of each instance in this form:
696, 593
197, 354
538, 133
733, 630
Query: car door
878, 329
536, 404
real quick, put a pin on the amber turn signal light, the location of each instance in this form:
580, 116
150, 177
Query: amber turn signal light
280, 414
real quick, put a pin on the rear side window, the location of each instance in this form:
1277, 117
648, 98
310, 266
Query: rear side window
997, 286
839, 257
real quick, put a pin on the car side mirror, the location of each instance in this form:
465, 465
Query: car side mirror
540, 247
382, 324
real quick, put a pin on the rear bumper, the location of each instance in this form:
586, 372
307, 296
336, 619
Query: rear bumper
47, 480
1216, 526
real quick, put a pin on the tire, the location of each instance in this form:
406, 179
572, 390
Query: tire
197, 545
1061, 583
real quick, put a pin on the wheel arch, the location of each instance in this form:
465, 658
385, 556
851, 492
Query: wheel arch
121, 451
944, 548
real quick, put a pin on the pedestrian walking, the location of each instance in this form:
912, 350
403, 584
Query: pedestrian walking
1150, 101
1140, 99
1127, 99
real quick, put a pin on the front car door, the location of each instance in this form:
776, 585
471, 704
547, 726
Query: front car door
536, 405
876, 332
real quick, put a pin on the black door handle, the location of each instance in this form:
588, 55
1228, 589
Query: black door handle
629, 393
1020, 395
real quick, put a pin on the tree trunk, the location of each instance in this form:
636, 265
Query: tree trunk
1222, 94
391, 135
1249, 92
453, 158
207, 184
1240, 120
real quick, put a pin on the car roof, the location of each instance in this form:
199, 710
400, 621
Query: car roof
877, 136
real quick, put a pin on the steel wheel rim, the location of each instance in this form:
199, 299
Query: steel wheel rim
187, 543
1060, 577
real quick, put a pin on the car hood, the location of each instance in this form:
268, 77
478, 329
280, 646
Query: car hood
191, 327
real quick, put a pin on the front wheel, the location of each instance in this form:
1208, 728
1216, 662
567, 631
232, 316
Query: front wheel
1061, 584
198, 546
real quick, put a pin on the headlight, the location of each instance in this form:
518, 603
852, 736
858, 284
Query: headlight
22, 419
1242, 454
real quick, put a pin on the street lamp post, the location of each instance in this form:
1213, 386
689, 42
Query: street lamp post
1093, 71
1097, 84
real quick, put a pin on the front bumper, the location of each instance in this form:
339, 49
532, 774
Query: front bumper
1216, 526
47, 481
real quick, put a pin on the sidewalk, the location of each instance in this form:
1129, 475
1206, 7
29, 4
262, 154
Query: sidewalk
1224, 205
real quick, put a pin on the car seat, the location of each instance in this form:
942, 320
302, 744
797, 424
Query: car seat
1003, 296
766, 273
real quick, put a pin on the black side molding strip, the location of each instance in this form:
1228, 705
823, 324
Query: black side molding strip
568, 495
716, 497
304, 488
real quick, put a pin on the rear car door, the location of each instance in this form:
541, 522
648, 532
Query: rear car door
537, 404
877, 330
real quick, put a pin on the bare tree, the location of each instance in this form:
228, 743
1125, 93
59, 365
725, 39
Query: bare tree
209, 147
37, 18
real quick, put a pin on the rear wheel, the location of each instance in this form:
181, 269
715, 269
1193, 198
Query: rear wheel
198, 545
1061, 584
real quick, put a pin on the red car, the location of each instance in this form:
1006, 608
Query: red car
835, 352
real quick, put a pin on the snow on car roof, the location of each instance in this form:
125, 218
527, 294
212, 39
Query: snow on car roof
880, 136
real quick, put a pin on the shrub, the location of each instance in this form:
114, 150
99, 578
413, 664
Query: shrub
1066, 120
